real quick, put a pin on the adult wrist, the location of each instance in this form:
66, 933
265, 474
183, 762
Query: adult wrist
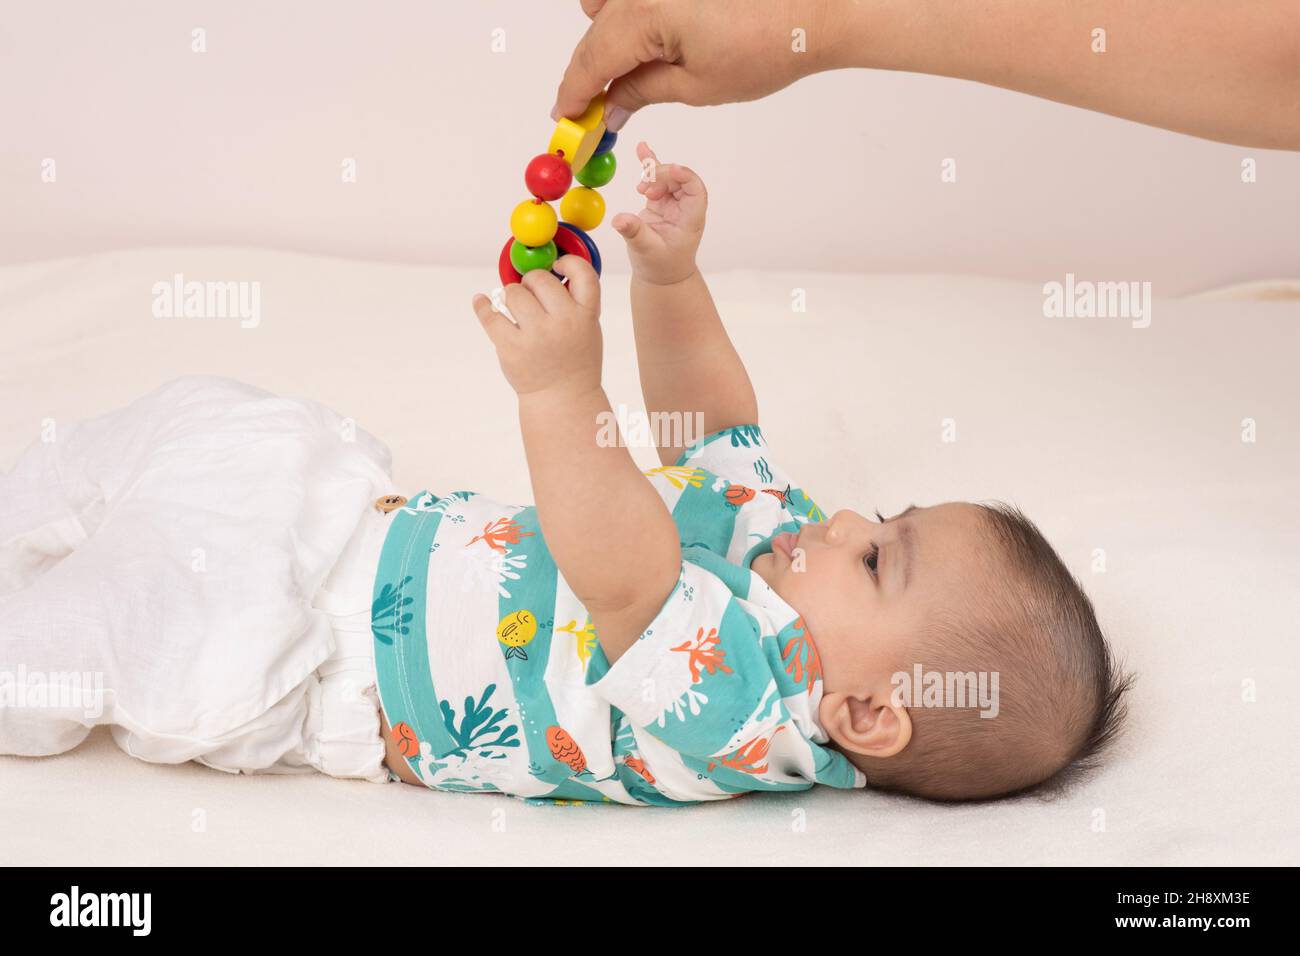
867, 34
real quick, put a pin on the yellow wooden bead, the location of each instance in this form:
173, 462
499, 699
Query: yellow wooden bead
583, 207
533, 222
577, 139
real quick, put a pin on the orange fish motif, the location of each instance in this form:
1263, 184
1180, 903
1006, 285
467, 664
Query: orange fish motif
497, 534
638, 766
705, 654
407, 743
780, 496
737, 495
565, 749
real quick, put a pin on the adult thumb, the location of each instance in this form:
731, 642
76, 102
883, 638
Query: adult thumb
654, 82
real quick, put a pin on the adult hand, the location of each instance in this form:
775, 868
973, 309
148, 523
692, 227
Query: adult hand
1219, 70
698, 52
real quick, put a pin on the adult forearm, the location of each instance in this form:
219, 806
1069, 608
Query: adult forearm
609, 532
1224, 71
687, 362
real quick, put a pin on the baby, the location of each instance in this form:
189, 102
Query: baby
225, 576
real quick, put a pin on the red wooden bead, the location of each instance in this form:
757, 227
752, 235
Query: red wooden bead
548, 176
505, 268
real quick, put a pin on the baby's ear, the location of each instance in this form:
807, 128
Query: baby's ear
873, 726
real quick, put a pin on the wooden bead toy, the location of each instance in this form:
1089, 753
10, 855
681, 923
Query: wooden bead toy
533, 222
579, 149
548, 177
569, 240
598, 171
577, 139
583, 207
571, 243
527, 258
592, 251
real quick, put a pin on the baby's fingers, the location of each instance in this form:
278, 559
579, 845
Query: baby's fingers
634, 232
682, 182
673, 179
584, 284
646, 155
494, 323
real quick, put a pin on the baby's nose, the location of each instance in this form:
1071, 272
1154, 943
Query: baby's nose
840, 525
844, 524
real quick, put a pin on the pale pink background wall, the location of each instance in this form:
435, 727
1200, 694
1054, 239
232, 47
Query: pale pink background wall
243, 144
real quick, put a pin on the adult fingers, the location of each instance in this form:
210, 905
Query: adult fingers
622, 37
654, 82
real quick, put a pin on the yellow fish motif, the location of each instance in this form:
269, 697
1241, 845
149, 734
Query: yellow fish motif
515, 630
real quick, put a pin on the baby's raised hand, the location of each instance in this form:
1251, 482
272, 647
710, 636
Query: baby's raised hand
662, 237
554, 342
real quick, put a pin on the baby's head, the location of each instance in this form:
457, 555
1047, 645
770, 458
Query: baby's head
968, 596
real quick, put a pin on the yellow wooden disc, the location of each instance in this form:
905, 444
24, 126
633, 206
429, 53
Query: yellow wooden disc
577, 139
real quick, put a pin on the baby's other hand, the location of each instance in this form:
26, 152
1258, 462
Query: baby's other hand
662, 237
554, 342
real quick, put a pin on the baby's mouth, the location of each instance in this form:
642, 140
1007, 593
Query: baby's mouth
785, 543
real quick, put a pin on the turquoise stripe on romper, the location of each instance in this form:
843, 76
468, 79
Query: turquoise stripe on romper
535, 593
402, 659
769, 647
740, 436
731, 695
830, 767
704, 516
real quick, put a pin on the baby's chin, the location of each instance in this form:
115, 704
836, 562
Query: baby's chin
767, 567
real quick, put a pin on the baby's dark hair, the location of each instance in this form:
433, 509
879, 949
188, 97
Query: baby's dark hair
1061, 692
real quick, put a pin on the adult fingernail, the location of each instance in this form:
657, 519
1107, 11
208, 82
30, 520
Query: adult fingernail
555, 112
616, 117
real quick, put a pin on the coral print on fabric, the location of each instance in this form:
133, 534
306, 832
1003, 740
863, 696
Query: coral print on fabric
493, 679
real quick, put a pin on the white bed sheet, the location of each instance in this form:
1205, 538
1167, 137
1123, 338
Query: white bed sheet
1114, 438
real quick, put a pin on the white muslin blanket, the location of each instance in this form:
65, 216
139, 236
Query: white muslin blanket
158, 566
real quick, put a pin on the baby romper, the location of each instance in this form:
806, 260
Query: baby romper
493, 679
161, 572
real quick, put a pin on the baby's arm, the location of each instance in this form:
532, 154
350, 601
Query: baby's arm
609, 532
686, 359
687, 362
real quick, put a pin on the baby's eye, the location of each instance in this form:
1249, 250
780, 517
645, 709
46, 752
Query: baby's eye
870, 559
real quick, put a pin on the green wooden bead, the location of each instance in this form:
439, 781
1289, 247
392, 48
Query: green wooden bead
527, 258
598, 171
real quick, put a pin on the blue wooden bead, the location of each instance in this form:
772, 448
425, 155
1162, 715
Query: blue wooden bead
606, 142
